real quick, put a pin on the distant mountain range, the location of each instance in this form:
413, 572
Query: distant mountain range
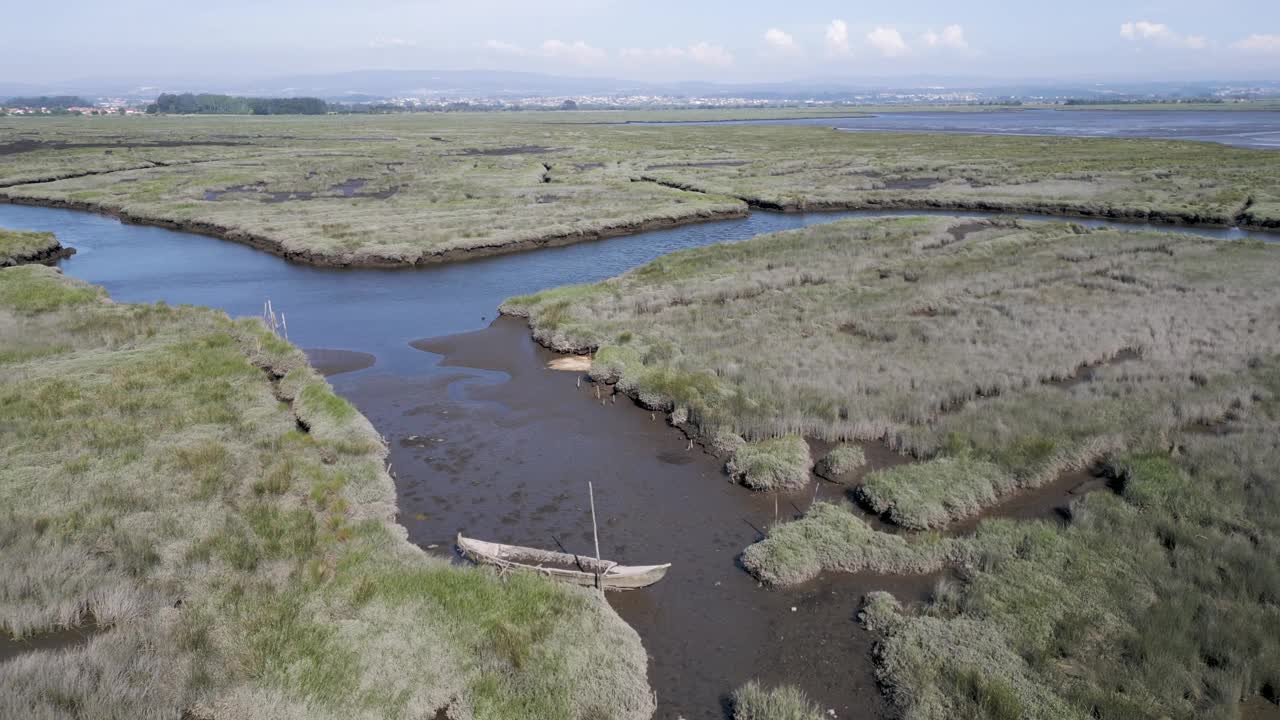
372, 85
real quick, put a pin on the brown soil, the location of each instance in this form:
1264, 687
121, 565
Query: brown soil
708, 164
515, 150
1051, 501
1259, 708
335, 362
911, 184
504, 453
346, 189
24, 146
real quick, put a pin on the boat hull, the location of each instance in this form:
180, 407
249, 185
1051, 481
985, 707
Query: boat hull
564, 567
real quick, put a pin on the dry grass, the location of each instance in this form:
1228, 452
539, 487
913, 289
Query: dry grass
157, 480
397, 190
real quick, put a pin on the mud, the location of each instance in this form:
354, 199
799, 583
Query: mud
1259, 708
708, 164
910, 184
25, 146
515, 150
56, 640
346, 189
1051, 501
329, 362
1089, 373
502, 449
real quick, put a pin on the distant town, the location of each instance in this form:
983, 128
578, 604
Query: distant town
455, 101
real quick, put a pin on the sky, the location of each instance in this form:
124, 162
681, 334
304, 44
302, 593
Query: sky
656, 40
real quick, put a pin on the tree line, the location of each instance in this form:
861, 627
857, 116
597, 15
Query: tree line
53, 102
211, 104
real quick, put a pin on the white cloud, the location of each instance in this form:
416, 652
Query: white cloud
505, 47
577, 51
1259, 43
709, 54
837, 38
780, 41
952, 36
391, 42
704, 53
888, 41
1161, 34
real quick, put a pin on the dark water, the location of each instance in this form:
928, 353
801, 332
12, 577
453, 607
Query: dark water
490, 442
1243, 128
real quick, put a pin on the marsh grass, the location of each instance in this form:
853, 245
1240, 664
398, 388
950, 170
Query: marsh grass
775, 464
753, 701
278, 181
158, 480
17, 247
840, 461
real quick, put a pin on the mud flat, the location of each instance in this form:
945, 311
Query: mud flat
329, 362
503, 448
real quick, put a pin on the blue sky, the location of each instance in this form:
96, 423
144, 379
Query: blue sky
646, 39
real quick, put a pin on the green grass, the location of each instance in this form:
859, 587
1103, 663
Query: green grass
840, 461
24, 291
1000, 355
775, 464
157, 480
753, 701
17, 247
934, 493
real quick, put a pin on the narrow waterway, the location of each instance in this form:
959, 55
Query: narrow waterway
486, 440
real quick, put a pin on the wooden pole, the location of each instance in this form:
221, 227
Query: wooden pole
595, 533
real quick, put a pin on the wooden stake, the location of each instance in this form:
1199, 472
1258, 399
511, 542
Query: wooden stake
595, 533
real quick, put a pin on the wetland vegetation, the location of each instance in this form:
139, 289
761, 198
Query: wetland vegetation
265, 576
190, 485
960, 343
405, 190
19, 248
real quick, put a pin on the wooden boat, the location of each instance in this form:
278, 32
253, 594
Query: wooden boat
576, 569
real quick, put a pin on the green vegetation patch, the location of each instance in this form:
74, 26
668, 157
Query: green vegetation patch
933, 493
239, 553
18, 247
775, 464
840, 461
753, 701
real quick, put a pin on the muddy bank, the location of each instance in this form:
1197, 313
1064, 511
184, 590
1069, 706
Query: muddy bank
499, 446
61, 639
333, 260
330, 362
44, 256
1243, 219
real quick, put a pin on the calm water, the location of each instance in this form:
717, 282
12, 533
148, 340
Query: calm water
1245, 128
492, 443
375, 311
